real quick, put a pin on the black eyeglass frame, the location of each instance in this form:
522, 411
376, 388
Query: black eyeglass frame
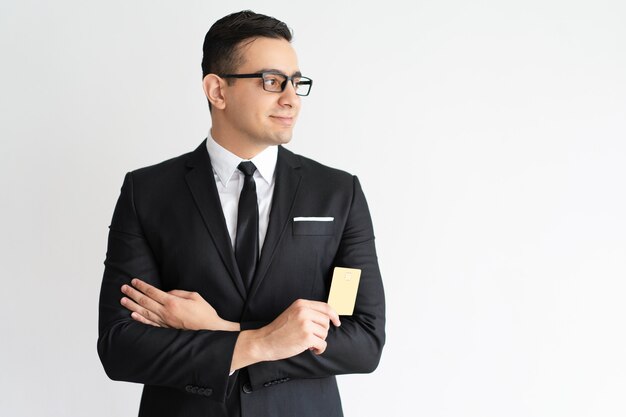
283, 85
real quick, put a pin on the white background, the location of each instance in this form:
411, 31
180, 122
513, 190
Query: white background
490, 140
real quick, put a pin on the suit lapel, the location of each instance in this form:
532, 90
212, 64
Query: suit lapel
285, 191
201, 183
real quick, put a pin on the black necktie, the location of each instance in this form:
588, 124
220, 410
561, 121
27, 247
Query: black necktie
247, 239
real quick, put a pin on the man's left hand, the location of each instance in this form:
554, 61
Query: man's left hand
176, 309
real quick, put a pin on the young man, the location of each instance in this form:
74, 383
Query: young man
225, 255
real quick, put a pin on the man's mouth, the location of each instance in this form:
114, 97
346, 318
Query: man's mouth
284, 120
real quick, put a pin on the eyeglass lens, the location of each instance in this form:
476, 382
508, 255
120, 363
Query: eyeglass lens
277, 83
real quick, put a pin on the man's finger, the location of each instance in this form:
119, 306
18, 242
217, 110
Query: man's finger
319, 347
325, 309
141, 299
138, 317
181, 293
318, 318
321, 331
149, 290
137, 309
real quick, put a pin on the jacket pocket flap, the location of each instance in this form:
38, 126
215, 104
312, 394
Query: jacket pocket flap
311, 226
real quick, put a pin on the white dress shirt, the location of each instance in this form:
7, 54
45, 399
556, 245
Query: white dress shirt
229, 182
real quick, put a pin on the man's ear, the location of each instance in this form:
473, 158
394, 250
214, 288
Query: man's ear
214, 90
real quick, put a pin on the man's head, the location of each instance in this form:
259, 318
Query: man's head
222, 54
247, 115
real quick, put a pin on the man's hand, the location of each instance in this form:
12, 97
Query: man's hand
304, 325
177, 308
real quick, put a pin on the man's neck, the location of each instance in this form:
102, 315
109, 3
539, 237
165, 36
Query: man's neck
241, 148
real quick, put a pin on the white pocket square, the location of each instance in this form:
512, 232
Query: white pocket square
313, 219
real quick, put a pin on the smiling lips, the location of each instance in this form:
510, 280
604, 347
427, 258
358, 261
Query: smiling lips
283, 120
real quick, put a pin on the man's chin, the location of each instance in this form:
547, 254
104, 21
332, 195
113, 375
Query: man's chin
282, 138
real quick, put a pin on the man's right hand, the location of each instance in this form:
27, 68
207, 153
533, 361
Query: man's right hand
303, 325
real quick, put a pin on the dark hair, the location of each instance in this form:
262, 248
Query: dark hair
220, 49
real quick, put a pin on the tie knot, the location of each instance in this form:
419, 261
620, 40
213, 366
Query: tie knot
247, 167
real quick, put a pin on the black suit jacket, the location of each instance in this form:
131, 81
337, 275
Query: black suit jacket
168, 228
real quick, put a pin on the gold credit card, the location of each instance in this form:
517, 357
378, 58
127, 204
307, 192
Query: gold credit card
343, 290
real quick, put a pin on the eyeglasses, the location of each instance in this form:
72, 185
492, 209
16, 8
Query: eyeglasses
275, 82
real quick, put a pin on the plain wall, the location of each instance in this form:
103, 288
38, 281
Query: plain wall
490, 140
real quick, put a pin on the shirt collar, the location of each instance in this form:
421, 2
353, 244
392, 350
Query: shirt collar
225, 162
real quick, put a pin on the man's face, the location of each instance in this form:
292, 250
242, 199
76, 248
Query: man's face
256, 116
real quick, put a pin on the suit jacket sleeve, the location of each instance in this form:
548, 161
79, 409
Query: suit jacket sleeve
355, 346
195, 361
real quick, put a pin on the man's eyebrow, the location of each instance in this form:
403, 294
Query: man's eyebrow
274, 70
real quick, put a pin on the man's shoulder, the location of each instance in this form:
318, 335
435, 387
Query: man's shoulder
168, 166
312, 167
170, 169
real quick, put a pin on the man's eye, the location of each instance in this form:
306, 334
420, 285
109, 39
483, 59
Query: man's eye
271, 81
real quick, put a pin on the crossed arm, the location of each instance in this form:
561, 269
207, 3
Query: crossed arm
303, 325
153, 354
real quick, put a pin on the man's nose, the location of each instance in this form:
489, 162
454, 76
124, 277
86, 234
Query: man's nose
288, 96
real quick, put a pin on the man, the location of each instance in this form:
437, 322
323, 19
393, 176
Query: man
234, 245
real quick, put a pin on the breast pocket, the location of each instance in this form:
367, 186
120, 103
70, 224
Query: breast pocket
313, 226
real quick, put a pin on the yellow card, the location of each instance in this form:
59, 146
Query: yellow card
343, 289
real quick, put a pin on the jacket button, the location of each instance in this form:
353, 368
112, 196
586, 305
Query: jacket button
188, 388
247, 388
201, 391
207, 392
